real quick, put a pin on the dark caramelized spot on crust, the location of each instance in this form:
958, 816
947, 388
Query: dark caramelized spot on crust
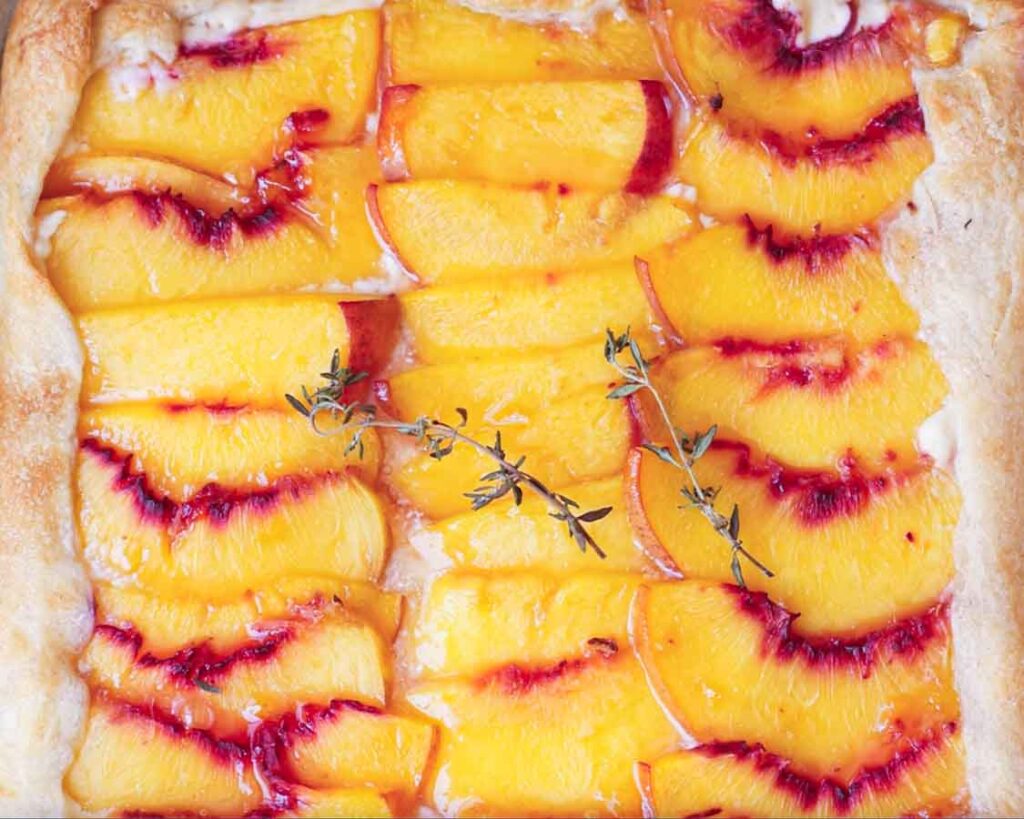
904, 639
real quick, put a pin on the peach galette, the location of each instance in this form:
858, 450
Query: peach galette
511, 408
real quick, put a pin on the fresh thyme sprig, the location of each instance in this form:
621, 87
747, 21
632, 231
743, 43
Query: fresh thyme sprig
685, 450
439, 439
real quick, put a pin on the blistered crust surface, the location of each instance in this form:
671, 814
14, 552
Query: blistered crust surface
958, 255
45, 605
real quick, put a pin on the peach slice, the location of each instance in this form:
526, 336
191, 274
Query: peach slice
347, 744
335, 803
433, 42
219, 544
226, 352
557, 741
744, 53
473, 623
892, 531
131, 760
868, 403
601, 135
225, 108
508, 537
298, 661
834, 187
503, 317
737, 281
148, 241
726, 664
923, 777
446, 231
551, 438
181, 449
167, 624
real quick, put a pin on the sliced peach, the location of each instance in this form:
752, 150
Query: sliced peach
726, 664
131, 760
559, 741
867, 403
473, 623
503, 317
167, 624
448, 231
835, 187
300, 661
220, 544
348, 745
596, 134
336, 803
226, 107
222, 352
745, 53
433, 41
737, 281
181, 449
160, 242
892, 531
509, 537
923, 777
573, 439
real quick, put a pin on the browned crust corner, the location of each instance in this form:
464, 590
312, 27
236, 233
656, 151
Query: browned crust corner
958, 255
45, 605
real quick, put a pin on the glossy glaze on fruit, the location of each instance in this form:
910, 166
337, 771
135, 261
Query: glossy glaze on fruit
288, 626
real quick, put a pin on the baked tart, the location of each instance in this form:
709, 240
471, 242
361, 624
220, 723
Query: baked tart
511, 408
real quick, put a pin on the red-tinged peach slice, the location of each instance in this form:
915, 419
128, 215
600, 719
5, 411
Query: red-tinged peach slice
113, 175
509, 316
226, 107
132, 760
867, 404
923, 777
181, 449
726, 663
433, 42
507, 537
600, 135
554, 741
225, 352
893, 531
738, 281
446, 231
472, 623
573, 439
164, 238
834, 187
744, 53
335, 803
347, 745
168, 624
221, 543
293, 662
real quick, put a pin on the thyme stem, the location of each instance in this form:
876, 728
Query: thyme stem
685, 451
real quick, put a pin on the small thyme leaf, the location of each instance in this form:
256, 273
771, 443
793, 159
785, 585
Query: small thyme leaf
438, 440
702, 442
209, 688
683, 454
625, 390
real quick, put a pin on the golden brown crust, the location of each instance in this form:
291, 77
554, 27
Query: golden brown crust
959, 256
45, 604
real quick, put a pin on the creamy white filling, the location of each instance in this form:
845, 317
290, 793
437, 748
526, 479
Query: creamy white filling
577, 14
212, 20
937, 437
823, 19
45, 231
